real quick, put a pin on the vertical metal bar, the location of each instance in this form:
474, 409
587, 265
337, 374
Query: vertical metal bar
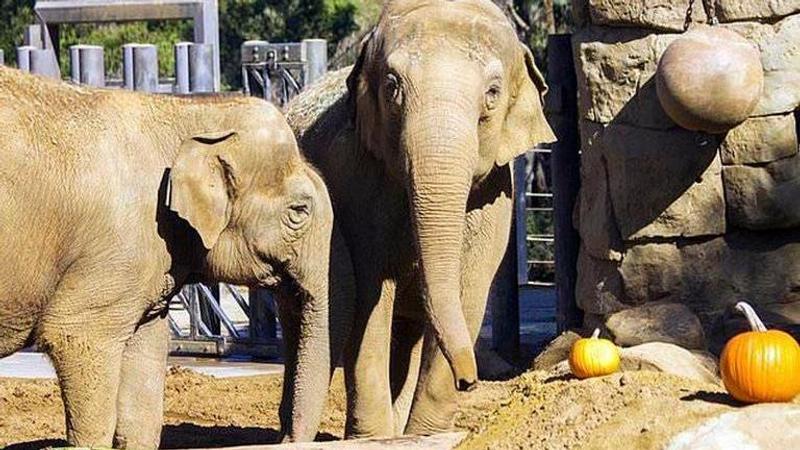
42, 62
2, 58
24, 58
565, 165
87, 65
75, 64
201, 68
206, 31
127, 66
145, 68
32, 36
182, 68
316, 58
520, 236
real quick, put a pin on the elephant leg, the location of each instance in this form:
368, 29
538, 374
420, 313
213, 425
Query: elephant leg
369, 400
88, 367
485, 241
140, 402
405, 360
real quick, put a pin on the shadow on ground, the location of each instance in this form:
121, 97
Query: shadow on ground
713, 397
188, 435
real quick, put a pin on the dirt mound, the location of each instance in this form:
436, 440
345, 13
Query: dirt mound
533, 410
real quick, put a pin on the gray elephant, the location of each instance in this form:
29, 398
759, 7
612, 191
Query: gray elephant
110, 201
414, 144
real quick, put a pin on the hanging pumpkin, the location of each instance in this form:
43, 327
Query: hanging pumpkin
761, 365
593, 357
710, 79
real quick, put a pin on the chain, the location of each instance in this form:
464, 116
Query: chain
688, 20
711, 11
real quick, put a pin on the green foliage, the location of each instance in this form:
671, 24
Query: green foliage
14, 16
163, 34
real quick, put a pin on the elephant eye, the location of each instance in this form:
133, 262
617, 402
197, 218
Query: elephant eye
492, 97
297, 215
392, 89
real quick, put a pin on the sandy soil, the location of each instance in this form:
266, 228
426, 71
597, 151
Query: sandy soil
533, 410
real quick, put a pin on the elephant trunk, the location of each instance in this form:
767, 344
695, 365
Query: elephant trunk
442, 157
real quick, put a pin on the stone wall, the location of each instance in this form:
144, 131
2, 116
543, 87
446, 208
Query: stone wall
669, 215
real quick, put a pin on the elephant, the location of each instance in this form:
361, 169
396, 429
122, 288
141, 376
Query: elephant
110, 201
415, 143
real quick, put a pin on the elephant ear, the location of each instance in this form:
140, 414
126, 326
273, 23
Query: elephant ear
525, 125
363, 102
201, 184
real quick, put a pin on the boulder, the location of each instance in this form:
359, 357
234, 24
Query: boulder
782, 316
766, 10
764, 427
658, 357
764, 197
657, 322
656, 14
780, 57
595, 222
667, 358
598, 288
614, 68
760, 140
711, 275
556, 351
664, 183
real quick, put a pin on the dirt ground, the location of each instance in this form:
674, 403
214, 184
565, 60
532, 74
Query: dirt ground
533, 410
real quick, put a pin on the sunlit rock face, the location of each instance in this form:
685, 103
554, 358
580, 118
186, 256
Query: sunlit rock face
666, 214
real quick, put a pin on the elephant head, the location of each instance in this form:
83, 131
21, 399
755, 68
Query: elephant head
443, 93
264, 219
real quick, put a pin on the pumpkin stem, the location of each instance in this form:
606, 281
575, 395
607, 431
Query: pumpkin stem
755, 322
596, 333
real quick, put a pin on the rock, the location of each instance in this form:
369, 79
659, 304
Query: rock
655, 356
782, 316
598, 288
764, 427
614, 68
659, 180
760, 140
667, 358
708, 360
766, 10
556, 351
657, 322
780, 56
709, 276
656, 14
595, 222
764, 197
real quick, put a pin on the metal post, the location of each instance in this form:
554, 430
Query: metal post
32, 36
24, 58
87, 65
316, 57
562, 106
41, 62
206, 31
201, 68
182, 68
2, 58
140, 67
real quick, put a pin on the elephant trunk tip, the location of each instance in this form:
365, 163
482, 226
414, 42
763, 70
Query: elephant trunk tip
465, 370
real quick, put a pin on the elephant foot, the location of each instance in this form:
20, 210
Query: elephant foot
429, 424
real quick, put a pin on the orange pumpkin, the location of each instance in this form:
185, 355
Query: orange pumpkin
761, 365
593, 357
